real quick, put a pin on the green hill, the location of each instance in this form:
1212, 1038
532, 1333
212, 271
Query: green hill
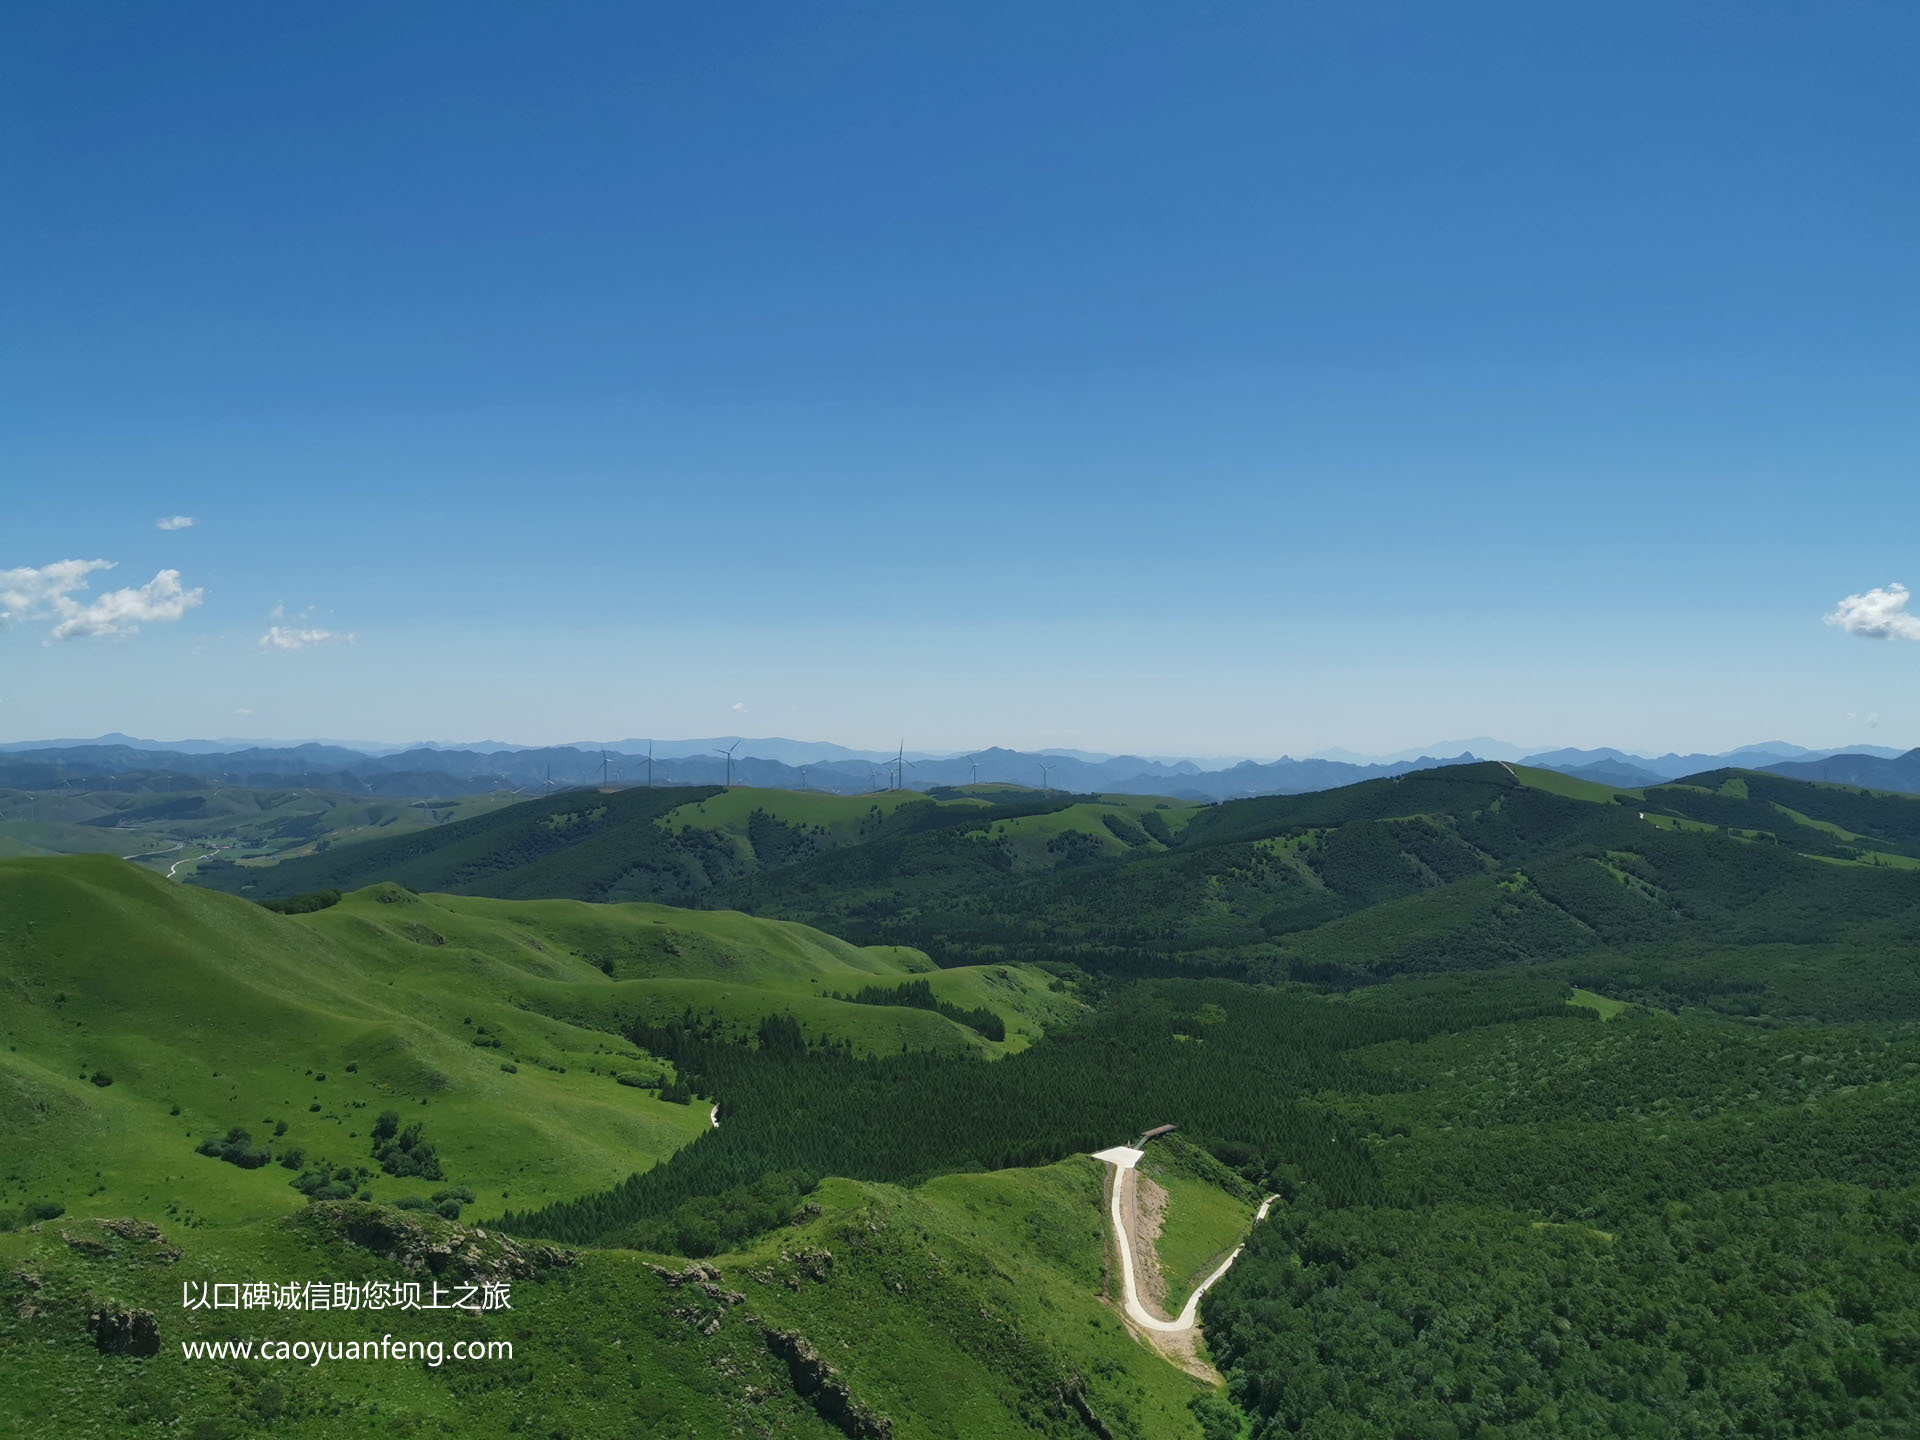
173, 829
146, 1017
635, 844
1383, 1005
493, 1023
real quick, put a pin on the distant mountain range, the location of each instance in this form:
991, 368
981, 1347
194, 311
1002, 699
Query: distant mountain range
123, 762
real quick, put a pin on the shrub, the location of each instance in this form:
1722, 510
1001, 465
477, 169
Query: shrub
101, 1078
318, 1185
406, 1153
44, 1210
236, 1147
303, 904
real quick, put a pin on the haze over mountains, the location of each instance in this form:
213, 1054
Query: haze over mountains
122, 762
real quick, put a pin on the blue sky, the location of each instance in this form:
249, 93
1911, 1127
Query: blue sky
1235, 378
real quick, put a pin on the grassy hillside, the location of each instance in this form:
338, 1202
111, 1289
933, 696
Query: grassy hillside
144, 1016
1640, 1066
606, 966
494, 1024
173, 829
1208, 1211
632, 844
968, 1307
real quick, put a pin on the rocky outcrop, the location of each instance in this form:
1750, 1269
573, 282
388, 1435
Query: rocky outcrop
795, 1266
422, 1244
704, 1278
133, 1232
120, 1331
821, 1385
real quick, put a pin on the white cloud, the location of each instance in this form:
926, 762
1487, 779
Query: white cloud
739, 704
174, 522
282, 637
243, 712
1879, 614
122, 612
48, 591
28, 591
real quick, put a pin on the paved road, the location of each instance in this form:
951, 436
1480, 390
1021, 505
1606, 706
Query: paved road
149, 854
1124, 1158
178, 863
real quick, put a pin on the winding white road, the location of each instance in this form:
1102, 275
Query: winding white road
164, 850
1124, 1158
178, 863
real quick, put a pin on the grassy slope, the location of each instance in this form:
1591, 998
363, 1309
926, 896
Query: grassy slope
178, 824
233, 1014
845, 818
1570, 786
603, 965
1208, 1212
969, 1307
963, 1307
1030, 837
1603, 1007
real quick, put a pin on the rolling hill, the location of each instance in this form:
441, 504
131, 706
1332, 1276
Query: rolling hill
1383, 1005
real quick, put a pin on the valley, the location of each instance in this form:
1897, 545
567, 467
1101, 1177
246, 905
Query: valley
858, 1061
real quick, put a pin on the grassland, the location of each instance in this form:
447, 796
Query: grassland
207, 1013
965, 1308
491, 1022
1603, 1007
174, 828
144, 1016
1570, 786
1098, 827
1409, 1076
1207, 1214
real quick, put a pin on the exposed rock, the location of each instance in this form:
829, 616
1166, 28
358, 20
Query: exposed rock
1074, 1392
704, 1277
129, 1229
423, 1244
82, 1245
119, 1331
31, 1285
139, 1231
819, 1383
815, 1265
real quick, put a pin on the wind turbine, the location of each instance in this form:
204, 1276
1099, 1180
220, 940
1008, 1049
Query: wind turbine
606, 767
974, 762
1045, 770
728, 752
899, 761
649, 764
